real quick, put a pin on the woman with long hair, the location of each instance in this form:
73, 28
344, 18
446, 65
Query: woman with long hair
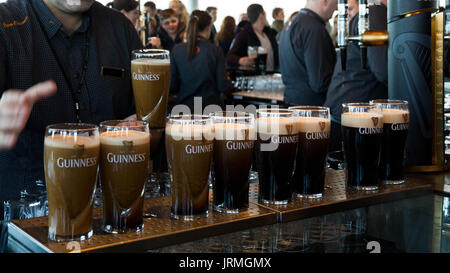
181, 12
226, 34
198, 66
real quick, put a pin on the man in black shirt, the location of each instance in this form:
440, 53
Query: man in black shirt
68, 42
307, 54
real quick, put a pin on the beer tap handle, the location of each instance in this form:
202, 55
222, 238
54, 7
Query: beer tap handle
363, 26
342, 26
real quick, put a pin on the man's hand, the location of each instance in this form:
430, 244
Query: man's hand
131, 118
15, 109
246, 61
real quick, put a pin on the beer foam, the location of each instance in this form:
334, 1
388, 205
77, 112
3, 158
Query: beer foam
277, 126
190, 131
234, 131
362, 120
148, 61
67, 142
395, 116
116, 138
314, 124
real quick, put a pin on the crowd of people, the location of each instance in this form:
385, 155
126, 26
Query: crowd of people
73, 43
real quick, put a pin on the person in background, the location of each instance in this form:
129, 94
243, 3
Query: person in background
256, 34
295, 13
169, 32
198, 66
42, 85
278, 16
243, 21
181, 12
150, 7
356, 84
129, 8
353, 8
307, 54
212, 11
226, 34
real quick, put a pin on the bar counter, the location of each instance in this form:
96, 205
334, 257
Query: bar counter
413, 217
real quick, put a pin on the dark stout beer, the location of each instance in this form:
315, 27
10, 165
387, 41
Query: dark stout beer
151, 79
276, 166
309, 178
70, 165
124, 170
233, 153
395, 132
189, 155
362, 134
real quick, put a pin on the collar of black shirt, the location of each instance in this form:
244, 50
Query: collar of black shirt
313, 14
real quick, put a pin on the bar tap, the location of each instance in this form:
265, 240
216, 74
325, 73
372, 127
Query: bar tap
363, 26
342, 25
365, 36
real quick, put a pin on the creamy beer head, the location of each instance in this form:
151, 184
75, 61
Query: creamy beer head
190, 131
234, 131
362, 120
151, 62
395, 116
277, 126
313, 124
117, 138
70, 142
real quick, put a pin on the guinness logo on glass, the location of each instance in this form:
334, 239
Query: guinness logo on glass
322, 125
289, 129
375, 121
79, 150
128, 145
406, 117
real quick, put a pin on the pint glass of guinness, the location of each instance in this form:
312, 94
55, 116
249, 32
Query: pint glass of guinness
125, 151
233, 153
395, 132
262, 60
71, 157
150, 76
189, 147
362, 132
276, 148
314, 127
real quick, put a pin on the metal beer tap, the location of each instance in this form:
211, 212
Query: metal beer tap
365, 36
342, 33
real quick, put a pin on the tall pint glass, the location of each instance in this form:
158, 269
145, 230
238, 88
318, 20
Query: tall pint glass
125, 151
362, 132
71, 158
189, 147
395, 133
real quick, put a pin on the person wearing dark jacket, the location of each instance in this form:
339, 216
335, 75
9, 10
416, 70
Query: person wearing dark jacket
257, 33
307, 54
357, 84
169, 32
226, 34
50, 42
198, 66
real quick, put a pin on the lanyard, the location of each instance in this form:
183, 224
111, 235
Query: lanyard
75, 95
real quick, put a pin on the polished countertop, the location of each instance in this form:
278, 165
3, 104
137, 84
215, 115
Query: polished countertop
408, 218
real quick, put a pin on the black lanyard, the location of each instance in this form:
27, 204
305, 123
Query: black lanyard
75, 95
